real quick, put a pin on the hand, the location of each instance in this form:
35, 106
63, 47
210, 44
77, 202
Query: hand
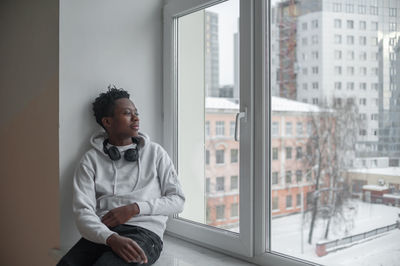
120, 215
127, 249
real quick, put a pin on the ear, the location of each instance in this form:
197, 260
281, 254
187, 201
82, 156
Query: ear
106, 121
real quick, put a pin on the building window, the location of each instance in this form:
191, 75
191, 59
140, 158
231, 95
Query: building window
363, 56
288, 177
363, 40
338, 54
363, 101
304, 41
392, 26
220, 212
338, 70
288, 152
337, 23
289, 203
304, 71
363, 25
349, 8
337, 7
374, 25
220, 128
220, 184
220, 156
362, 9
373, 10
363, 71
350, 55
315, 85
299, 129
275, 129
275, 178
338, 39
207, 128
298, 200
299, 153
315, 100
314, 39
350, 39
234, 182
305, 86
232, 126
314, 24
304, 26
314, 55
350, 71
299, 176
234, 210
338, 85
350, 86
363, 86
314, 70
207, 157
274, 153
207, 185
392, 12
288, 129
275, 203
234, 155
350, 24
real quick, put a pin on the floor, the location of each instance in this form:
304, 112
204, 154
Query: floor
181, 253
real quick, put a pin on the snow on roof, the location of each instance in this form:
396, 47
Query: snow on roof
278, 105
392, 196
389, 171
375, 187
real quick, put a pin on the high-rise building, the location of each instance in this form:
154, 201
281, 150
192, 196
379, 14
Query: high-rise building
211, 54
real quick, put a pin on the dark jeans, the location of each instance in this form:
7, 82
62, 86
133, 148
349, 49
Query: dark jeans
85, 253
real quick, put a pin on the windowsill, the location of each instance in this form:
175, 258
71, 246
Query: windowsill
179, 252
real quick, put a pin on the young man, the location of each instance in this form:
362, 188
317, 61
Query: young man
124, 188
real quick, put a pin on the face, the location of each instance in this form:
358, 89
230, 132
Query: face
124, 124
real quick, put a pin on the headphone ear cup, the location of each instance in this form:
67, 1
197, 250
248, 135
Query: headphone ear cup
114, 154
131, 155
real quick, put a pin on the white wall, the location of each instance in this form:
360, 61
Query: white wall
104, 42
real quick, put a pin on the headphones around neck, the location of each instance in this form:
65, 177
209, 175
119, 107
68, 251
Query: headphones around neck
131, 155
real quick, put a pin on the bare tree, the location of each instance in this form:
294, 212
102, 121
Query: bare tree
330, 151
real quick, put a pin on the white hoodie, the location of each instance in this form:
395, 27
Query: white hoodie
101, 185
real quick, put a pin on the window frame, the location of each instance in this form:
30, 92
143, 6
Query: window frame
255, 246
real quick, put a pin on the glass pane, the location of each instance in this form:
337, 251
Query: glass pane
208, 101
335, 131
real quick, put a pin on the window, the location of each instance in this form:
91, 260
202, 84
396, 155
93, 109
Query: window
220, 128
338, 54
207, 185
338, 85
288, 129
363, 56
220, 209
288, 177
392, 12
363, 25
374, 25
289, 203
207, 128
220, 156
234, 155
275, 129
304, 26
274, 153
350, 71
232, 126
350, 24
207, 157
373, 10
315, 100
314, 55
220, 184
363, 40
314, 39
337, 23
315, 85
299, 153
392, 41
298, 200
299, 128
275, 178
314, 70
350, 55
234, 210
363, 101
304, 41
362, 9
363, 86
314, 24
275, 203
299, 176
338, 70
305, 86
234, 182
288, 153
338, 39
392, 26
374, 41
337, 7
350, 40
349, 8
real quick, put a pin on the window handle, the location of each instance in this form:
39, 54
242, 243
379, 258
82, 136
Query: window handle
239, 115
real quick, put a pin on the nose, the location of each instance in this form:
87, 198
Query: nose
135, 117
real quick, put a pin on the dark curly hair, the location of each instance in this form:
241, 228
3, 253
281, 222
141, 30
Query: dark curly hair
104, 104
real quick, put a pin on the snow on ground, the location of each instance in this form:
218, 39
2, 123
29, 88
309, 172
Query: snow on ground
286, 235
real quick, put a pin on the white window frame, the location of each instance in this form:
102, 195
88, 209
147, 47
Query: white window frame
254, 242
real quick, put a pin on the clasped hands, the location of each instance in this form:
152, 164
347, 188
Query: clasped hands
124, 247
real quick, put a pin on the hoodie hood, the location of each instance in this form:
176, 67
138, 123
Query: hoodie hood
97, 139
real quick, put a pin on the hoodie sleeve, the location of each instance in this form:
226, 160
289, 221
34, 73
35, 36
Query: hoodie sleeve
172, 198
84, 206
